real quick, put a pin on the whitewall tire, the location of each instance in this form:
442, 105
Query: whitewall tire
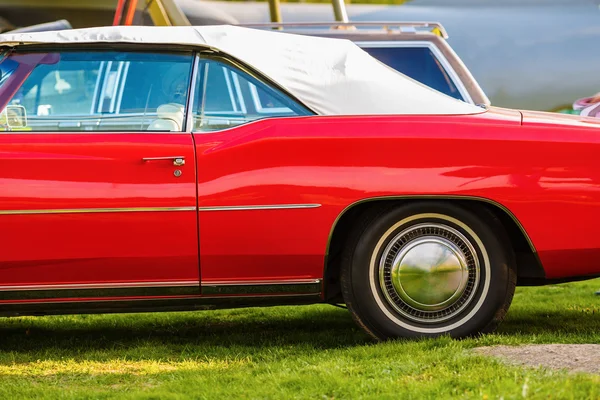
428, 269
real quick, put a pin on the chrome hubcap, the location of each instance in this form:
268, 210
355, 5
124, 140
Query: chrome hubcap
429, 272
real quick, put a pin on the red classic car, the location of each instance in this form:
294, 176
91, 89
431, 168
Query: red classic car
155, 169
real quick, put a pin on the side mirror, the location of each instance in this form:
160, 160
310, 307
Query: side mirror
14, 117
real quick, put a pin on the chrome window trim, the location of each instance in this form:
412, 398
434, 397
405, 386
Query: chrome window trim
96, 116
437, 53
79, 120
224, 114
204, 82
122, 87
189, 115
90, 132
254, 121
229, 88
97, 86
95, 132
103, 88
113, 99
238, 91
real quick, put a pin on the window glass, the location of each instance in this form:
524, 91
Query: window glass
227, 97
223, 91
420, 64
7, 67
264, 103
100, 90
65, 89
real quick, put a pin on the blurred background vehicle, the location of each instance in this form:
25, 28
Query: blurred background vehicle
87, 13
418, 50
59, 25
531, 54
588, 106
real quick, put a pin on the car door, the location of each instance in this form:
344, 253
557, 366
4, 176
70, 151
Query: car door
97, 175
253, 224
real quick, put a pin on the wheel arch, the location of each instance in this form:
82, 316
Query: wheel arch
529, 268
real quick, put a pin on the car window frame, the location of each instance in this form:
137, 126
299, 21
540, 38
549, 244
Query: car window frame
198, 52
441, 58
192, 51
209, 55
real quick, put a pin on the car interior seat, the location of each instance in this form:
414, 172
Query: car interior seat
169, 118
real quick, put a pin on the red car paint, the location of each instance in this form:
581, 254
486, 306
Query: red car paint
547, 175
79, 171
544, 169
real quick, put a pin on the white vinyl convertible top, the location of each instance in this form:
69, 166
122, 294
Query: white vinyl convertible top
330, 76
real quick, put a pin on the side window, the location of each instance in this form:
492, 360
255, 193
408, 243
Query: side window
102, 91
419, 63
227, 97
59, 89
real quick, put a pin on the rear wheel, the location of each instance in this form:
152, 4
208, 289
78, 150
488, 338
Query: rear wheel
428, 269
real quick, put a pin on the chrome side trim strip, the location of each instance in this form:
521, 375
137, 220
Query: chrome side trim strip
305, 286
262, 282
156, 209
189, 115
156, 284
95, 210
180, 297
251, 296
100, 285
259, 207
196, 302
77, 292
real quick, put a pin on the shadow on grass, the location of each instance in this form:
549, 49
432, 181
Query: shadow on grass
264, 332
214, 333
562, 322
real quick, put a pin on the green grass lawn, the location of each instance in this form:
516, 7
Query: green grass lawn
288, 352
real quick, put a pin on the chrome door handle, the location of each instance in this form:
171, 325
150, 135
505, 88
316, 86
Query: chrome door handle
178, 161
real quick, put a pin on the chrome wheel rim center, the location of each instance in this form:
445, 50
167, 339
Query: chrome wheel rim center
430, 273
